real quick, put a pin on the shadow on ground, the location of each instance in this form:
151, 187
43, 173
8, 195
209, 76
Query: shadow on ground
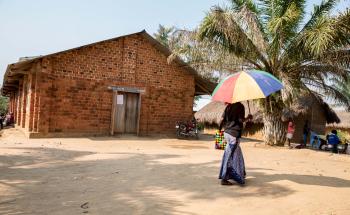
56, 181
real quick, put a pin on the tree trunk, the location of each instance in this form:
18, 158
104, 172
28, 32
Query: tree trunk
275, 130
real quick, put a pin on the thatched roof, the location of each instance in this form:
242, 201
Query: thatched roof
345, 120
306, 103
212, 112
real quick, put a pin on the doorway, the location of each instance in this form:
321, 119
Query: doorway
126, 108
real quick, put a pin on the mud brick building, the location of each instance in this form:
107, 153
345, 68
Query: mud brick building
121, 85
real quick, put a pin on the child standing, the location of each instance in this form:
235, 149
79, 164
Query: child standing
290, 131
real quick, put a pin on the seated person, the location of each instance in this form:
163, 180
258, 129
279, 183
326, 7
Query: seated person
333, 140
191, 125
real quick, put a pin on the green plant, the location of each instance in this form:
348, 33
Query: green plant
200, 126
343, 135
163, 34
3, 104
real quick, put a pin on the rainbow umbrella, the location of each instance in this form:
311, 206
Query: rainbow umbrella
246, 85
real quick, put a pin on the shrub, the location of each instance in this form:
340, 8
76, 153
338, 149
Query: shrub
3, 104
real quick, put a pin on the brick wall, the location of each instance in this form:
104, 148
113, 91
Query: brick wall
68, 92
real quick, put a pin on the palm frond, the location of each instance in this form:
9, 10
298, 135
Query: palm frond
282, 27
321, 37
239, 4
204, 56
271, 9
320, 20
250, 13
251, 24
320, 10
289, 19
323, 40
319, 68
342, 29
338, 58
220, 26
329, 91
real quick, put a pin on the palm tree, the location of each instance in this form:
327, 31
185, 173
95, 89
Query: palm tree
275, 36
163, 34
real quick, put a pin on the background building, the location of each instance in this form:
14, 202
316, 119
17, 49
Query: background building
121, 85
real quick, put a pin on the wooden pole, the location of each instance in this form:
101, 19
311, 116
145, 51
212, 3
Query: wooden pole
138, 115
312, 114
248, 106
270, 105
113, 114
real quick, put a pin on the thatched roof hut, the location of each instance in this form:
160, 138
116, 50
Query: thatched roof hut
345, 120
310, 108
306, 104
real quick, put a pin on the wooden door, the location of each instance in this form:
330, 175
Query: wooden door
131, 113
119, 126
127, 113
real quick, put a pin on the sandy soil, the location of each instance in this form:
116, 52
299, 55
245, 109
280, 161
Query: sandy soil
132, 175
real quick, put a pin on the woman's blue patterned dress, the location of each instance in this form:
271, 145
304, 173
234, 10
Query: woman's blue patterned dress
232, 166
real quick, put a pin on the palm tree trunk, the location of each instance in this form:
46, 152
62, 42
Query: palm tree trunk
275, 130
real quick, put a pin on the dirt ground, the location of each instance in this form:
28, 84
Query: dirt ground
130, 175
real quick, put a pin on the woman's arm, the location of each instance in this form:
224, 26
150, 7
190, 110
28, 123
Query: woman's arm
221, 124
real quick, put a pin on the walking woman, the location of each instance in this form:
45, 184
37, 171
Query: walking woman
232, 166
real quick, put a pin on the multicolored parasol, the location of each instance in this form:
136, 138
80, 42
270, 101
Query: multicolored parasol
246, 85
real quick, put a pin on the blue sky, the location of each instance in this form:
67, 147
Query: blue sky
38, 27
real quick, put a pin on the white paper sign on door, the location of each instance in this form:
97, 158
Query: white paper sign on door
120, 99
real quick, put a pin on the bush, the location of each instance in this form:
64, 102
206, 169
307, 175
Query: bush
343, 135
3, 104
200, 126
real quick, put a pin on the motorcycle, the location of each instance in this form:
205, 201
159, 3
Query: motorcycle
187, 129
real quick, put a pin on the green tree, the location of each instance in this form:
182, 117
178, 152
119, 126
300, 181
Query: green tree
163, 34
3, 104
275, 36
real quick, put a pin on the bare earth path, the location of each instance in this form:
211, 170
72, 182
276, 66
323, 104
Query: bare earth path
164, 176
